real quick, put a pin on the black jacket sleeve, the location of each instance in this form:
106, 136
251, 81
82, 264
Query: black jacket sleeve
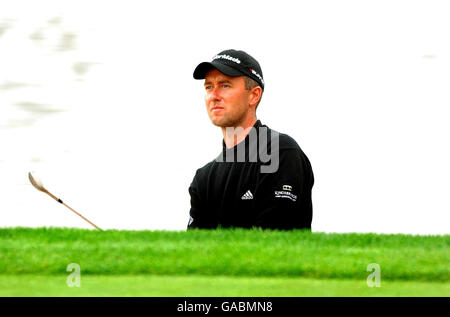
283, 198
199, 216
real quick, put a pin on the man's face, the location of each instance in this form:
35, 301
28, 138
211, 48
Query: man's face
227, 100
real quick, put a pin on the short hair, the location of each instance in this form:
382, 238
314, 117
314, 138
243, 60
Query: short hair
250, 84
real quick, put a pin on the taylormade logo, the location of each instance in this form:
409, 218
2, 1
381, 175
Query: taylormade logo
228, 57
257, 75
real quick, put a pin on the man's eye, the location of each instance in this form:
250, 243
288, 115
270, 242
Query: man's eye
226, 86
208, 87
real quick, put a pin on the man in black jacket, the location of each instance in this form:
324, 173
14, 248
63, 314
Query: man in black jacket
261, 178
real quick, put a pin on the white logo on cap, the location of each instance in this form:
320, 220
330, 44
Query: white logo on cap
257, 75
228, 57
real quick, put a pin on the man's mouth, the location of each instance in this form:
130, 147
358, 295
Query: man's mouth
216, 108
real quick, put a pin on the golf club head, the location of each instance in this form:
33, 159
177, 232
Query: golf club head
36, 183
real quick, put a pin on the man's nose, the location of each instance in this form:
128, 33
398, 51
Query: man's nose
214, 94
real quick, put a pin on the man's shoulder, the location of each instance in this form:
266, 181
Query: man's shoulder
289, 148
202, 171
291, 155
285, 141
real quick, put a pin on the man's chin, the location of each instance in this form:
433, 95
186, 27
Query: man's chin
219, 122
222, 123
226, 124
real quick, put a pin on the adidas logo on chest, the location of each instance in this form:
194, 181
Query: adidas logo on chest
248, 195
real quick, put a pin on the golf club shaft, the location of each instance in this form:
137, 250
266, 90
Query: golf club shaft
81, 216
60, 201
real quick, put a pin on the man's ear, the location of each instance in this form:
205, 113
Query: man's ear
254, 96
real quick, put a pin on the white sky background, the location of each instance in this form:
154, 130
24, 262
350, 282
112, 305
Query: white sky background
363, 86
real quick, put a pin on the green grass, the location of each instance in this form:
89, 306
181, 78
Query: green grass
246, 262
205, 286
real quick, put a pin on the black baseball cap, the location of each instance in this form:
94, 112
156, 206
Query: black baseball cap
232, 63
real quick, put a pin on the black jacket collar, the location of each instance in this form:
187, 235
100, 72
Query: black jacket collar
246, 141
